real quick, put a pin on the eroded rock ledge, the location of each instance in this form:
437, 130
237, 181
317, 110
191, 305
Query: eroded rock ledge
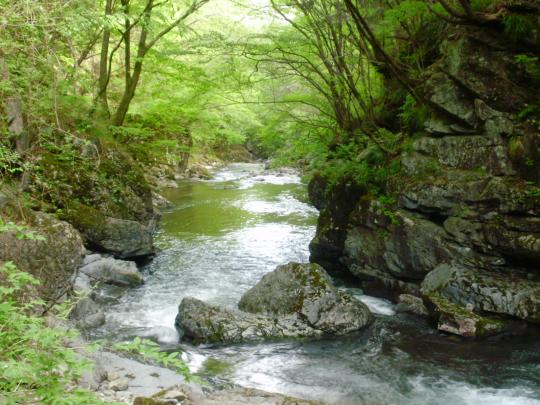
466, 208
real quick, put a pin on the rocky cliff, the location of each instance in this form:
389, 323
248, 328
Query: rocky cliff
461, 225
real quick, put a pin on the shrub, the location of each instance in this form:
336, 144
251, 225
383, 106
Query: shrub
36, 366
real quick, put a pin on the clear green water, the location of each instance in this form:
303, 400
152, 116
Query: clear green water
223, 235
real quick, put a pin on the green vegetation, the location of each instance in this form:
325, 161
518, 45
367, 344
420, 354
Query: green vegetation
36, 366
148, 350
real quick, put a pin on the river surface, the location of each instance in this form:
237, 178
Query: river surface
223, 235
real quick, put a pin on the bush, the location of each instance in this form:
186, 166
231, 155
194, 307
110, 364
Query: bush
35, 364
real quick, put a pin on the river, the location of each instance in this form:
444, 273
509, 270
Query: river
223, 235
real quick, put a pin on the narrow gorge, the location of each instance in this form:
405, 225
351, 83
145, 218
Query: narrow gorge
270, 202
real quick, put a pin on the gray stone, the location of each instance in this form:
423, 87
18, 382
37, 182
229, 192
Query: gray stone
410, 303
83, 284
124, 239
120, 384
87, 314
468, 152
53, 259
306, 290
183, 394
295, 300
203, 322
111, 271
504, 293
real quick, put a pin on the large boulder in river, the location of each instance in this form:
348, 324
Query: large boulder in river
306, 290
295, 300
203, 322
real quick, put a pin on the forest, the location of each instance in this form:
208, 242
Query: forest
391, 146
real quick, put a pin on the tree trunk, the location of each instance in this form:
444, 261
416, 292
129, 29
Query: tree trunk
14, 111
101, 102
129, 92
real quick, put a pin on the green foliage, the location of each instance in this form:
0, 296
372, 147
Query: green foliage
480, 5
366, 167
531, 65
528, 112
10, 161
36, 366
412, 115
21, 231
388, 205
518, 28
149, 350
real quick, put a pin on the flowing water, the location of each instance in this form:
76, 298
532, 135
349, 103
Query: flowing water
223, 235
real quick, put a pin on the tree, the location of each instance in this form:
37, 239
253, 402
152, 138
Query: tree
144, 25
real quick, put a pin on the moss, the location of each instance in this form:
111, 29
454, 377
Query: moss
108, 180
218, 333
215, 367
88, 220
483, 326
516, 149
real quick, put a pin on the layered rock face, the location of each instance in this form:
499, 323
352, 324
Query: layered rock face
464, 232
295, 300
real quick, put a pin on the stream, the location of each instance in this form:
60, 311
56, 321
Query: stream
223, 235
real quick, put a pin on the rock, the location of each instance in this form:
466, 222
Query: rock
142, 379
83, 284
183, 394
160, 203
411, 304
405, 245
198, 171
317, 190
52, 259
455, 191
381, 284
306, 290
203, 322
296, 300
112, 271
120, 384
461, 321
125, 239
490, 153
170, 396
327, 246
87, 314
504, 293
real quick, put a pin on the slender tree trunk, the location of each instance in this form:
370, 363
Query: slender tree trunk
127, 97
14, 110
102, 104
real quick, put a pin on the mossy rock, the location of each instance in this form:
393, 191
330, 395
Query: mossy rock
53, 253
457, 320
125, 239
